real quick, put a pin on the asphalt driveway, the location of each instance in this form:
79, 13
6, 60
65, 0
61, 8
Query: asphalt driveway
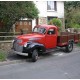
56, 65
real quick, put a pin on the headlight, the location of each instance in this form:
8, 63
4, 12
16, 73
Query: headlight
25, 45
13, 41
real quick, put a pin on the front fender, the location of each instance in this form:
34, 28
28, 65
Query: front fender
32, 46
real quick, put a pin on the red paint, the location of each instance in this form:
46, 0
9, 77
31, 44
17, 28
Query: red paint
49, 41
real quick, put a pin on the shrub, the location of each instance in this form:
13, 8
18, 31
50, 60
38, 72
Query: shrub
76, 26
57, 22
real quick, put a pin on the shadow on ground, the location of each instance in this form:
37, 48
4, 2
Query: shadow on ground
12, 56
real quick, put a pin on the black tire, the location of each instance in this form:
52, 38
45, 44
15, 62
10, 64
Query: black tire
69, 47
34, 55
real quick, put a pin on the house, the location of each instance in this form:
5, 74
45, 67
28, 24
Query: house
47, 11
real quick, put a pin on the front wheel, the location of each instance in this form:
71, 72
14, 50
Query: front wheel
69, 47
35, 55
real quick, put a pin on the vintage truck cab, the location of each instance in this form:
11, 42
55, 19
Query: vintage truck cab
42, 39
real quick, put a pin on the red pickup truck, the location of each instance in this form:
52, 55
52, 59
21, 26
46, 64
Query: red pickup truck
43, 39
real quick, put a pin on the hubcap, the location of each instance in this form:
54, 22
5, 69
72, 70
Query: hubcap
70, 47
36, 56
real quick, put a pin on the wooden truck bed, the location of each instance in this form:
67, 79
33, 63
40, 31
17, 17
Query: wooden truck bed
63, 38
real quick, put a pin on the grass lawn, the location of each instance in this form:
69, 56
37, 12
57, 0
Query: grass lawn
2, 55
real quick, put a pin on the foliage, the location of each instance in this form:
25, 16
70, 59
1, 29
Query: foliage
57, 22
75, 25
72, 14
12, 11
2, 56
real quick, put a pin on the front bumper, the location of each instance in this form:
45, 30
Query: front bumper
19, 53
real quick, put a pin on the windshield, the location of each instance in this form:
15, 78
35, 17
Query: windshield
39, 30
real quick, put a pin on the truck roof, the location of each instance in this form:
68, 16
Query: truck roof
47, 26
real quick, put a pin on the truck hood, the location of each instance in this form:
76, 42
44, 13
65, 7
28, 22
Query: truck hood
30, 37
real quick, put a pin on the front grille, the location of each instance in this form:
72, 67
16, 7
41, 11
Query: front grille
17, 47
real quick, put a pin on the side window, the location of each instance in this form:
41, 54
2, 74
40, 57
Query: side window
51, 31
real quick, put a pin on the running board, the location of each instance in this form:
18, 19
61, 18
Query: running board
52, 50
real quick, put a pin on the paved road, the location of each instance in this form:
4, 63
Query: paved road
59, 65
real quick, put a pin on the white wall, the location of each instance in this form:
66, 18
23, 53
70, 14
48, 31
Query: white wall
60, 9
33, 23
42, 7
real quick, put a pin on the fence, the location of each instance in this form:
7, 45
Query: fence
8, 36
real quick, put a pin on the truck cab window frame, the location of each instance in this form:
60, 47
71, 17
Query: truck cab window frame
51, 32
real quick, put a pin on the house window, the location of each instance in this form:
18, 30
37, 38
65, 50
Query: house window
51, 6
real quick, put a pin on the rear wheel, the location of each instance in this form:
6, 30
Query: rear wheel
35, 55
69, 47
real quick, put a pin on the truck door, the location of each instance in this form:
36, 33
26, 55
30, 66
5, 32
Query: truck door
51, 38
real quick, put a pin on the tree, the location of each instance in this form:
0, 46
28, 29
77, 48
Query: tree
12, 11
72, 14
